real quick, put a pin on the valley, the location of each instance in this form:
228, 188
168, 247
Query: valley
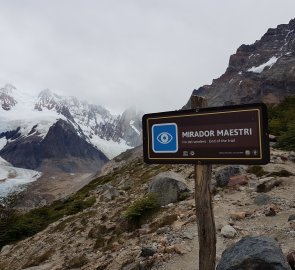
84, 198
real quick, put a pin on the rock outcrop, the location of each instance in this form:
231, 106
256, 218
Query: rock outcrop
263, 71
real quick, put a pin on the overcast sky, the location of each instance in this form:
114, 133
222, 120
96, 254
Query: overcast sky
119, 53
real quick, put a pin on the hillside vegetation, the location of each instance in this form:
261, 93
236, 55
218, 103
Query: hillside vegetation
282, 123
15, 226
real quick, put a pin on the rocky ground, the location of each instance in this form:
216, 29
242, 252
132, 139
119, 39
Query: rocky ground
101, 237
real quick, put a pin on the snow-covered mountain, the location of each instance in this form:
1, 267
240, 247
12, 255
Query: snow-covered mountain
52, 131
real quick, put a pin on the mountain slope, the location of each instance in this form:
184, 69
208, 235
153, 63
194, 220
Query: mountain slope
92, 231
61, 149
53, 132
263, 71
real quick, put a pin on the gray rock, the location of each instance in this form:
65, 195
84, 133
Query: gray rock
163, 230
262, 199
291, 217
168, 186
268, 183
187, 235
272, 138
222, 175
109, 192
6, 249
228, 231
255, 253
147, 251
42, 203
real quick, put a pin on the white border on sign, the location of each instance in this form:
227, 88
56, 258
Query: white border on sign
153, 138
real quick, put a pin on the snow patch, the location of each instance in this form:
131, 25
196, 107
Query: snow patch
110, 148
3, 142
14, 179
286, 39
133, 127
4, 162
23, 115
260, 68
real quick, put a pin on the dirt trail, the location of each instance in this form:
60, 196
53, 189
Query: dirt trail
233, 200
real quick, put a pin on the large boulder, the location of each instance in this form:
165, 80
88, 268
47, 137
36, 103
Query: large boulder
222, 175
255, 253
168, 186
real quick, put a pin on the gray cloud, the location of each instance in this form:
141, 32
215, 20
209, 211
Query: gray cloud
120, 53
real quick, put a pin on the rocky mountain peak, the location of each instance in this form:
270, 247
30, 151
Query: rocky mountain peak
8, 89
276, 42
259, 72
7, 100
48, 99
130, 122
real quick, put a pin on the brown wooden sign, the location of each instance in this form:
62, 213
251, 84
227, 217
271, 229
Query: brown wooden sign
228, 135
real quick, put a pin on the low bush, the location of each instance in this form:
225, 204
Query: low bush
281, 173
18, 226
257, 170
282, 123
142, 208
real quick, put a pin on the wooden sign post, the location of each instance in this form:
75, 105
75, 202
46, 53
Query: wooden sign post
204, 208
203, 136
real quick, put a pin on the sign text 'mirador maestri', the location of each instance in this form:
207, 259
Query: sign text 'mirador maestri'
213, 133
231, 134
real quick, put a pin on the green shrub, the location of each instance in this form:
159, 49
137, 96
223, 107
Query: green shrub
281, 173
183, 196
282, 123
142, 207
17, 226
287, 139
257, 170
